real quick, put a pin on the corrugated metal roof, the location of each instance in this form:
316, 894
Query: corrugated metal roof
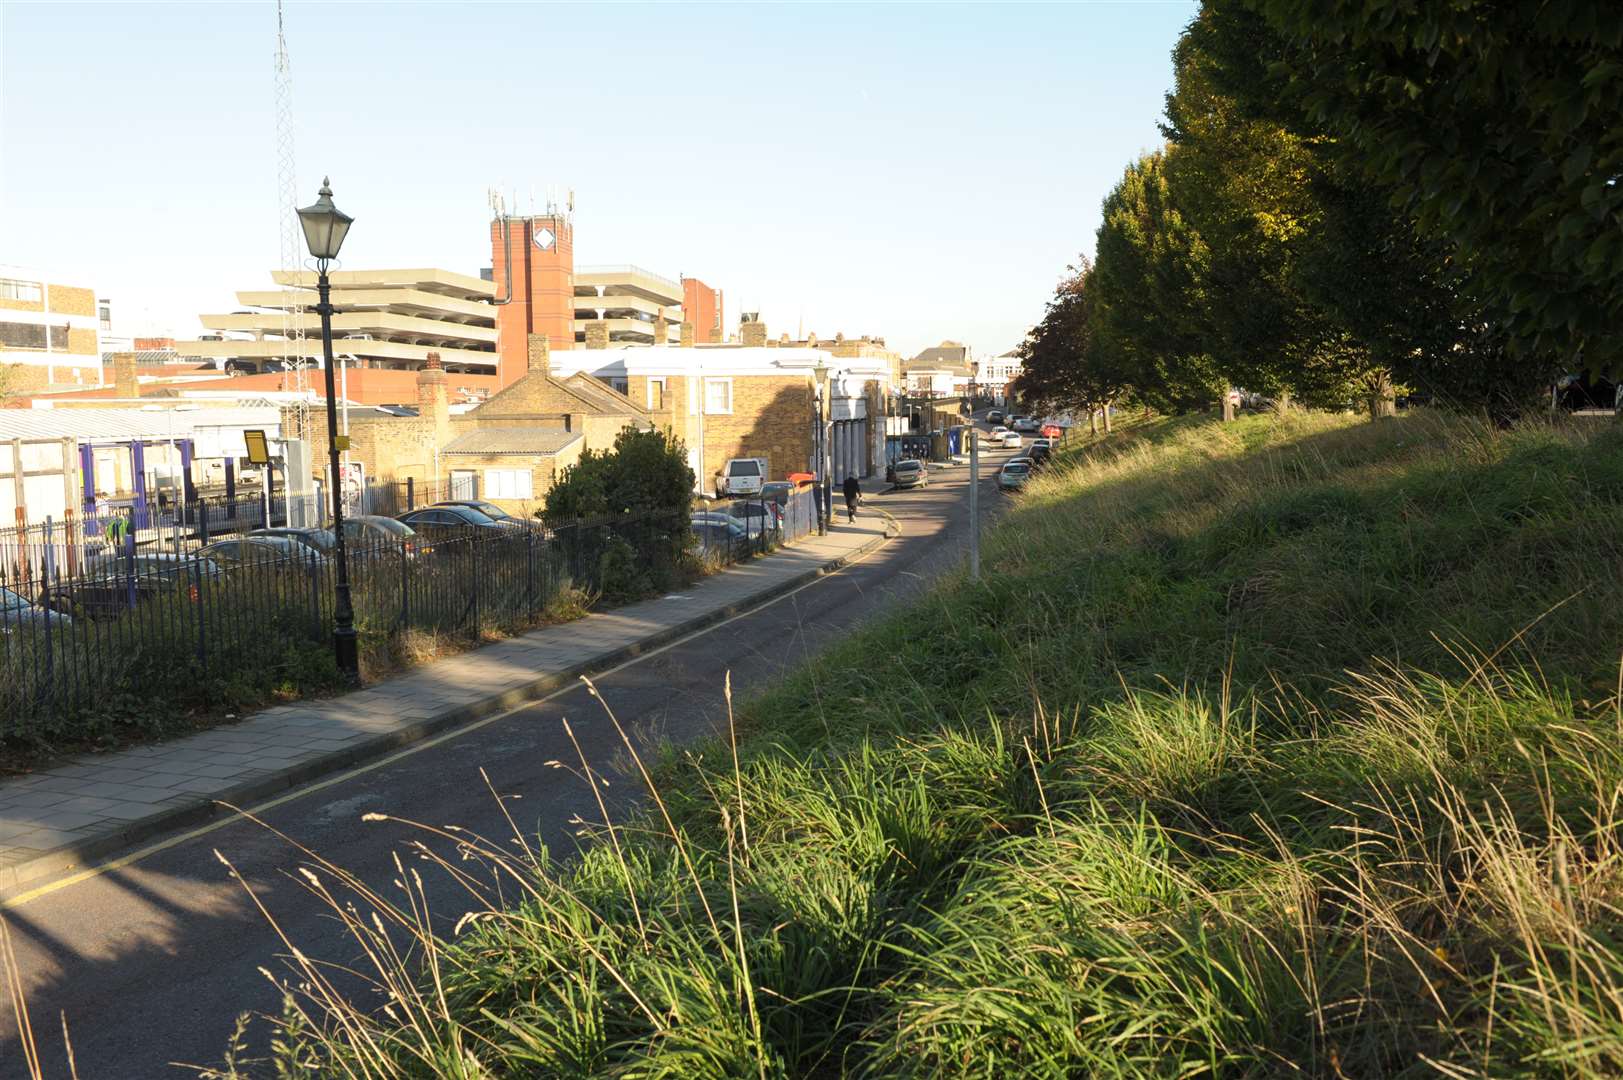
89, 423
525, 440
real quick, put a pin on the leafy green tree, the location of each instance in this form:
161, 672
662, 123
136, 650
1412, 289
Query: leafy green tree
1245, 183
1148, 287
646, 472
1495, 125
1403, 294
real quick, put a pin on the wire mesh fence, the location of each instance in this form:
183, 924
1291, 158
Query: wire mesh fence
99, 625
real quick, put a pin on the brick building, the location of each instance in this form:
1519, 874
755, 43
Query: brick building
702, 306
749, 399
510, 449
50, 333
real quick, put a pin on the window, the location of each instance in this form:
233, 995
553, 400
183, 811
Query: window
508, 484
105, 313
12, 289
23, 335
656, 393
718, 396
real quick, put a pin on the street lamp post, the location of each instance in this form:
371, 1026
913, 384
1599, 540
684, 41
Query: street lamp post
325, 227
825, 460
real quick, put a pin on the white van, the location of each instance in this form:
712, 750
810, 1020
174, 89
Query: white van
742, 476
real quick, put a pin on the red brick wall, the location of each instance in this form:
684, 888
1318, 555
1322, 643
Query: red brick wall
701, 306
543, 290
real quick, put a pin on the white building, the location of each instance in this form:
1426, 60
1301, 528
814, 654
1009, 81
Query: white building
992, 376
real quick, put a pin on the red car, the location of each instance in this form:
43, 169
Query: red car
1052, 431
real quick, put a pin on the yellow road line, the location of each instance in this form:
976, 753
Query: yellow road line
260, 809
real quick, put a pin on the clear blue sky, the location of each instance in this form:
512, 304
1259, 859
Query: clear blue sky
917, 171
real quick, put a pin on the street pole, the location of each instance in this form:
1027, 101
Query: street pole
974, 503
828, 453
345, 648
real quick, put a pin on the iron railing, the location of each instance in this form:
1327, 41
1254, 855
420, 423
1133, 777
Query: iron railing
111, 625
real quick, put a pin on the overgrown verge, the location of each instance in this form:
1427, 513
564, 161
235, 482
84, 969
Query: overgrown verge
1280, 747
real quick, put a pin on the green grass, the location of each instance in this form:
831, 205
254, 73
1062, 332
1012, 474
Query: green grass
1287, 747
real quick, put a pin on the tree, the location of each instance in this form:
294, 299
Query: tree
1067, 364
646, 472
1148, 285
1405, 295
1494, 125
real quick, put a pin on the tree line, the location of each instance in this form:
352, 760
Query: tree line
1357, 199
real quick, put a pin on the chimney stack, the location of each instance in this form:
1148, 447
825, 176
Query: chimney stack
752, 331
125, 384
540, 353
659, 329
597, 334
432, 402
685, 340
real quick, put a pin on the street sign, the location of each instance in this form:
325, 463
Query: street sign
258, 447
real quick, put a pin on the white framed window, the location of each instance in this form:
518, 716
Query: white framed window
656, 393
12, 289
718, 396
508, 484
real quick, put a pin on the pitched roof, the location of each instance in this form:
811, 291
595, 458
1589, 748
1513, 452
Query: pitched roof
525, 440
592, 394
953, 358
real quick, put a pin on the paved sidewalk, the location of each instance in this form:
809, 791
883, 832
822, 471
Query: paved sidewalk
92, 806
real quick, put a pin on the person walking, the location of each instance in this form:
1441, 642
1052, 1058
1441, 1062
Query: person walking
853, 495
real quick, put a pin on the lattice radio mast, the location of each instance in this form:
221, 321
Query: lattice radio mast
292, 238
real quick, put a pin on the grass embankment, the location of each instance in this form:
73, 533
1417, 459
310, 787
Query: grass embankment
1286, 747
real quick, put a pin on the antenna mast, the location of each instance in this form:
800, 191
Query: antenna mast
292, 259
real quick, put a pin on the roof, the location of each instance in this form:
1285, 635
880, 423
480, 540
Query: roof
121, 424
527, 440
954, 358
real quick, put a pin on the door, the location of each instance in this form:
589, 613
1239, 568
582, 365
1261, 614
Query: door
464, 484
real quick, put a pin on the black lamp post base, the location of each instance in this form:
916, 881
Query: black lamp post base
347, 651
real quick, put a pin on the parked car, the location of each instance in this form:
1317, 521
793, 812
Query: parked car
995, 416
911, 473
1011, 439
319, 540
437, 524
759, 517
489, 509
376, 534
997, 433
777, 491
742, 476
1013, 475
18, 613
1038, 454
107, 586
256, 550
1052, 431
717, 532
1025, 423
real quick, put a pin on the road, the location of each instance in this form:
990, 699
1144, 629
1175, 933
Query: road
152, 962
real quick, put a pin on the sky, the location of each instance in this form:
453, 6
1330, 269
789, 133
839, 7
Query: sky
919, 172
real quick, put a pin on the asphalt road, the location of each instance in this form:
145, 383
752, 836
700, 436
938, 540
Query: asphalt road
152, 963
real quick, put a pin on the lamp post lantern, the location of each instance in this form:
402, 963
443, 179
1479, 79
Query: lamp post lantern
325, 227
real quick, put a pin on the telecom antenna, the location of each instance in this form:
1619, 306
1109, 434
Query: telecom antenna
292, 238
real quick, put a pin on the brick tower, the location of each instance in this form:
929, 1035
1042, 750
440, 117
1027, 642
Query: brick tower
543, 286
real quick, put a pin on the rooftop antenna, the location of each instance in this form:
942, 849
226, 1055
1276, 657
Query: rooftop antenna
292, 237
